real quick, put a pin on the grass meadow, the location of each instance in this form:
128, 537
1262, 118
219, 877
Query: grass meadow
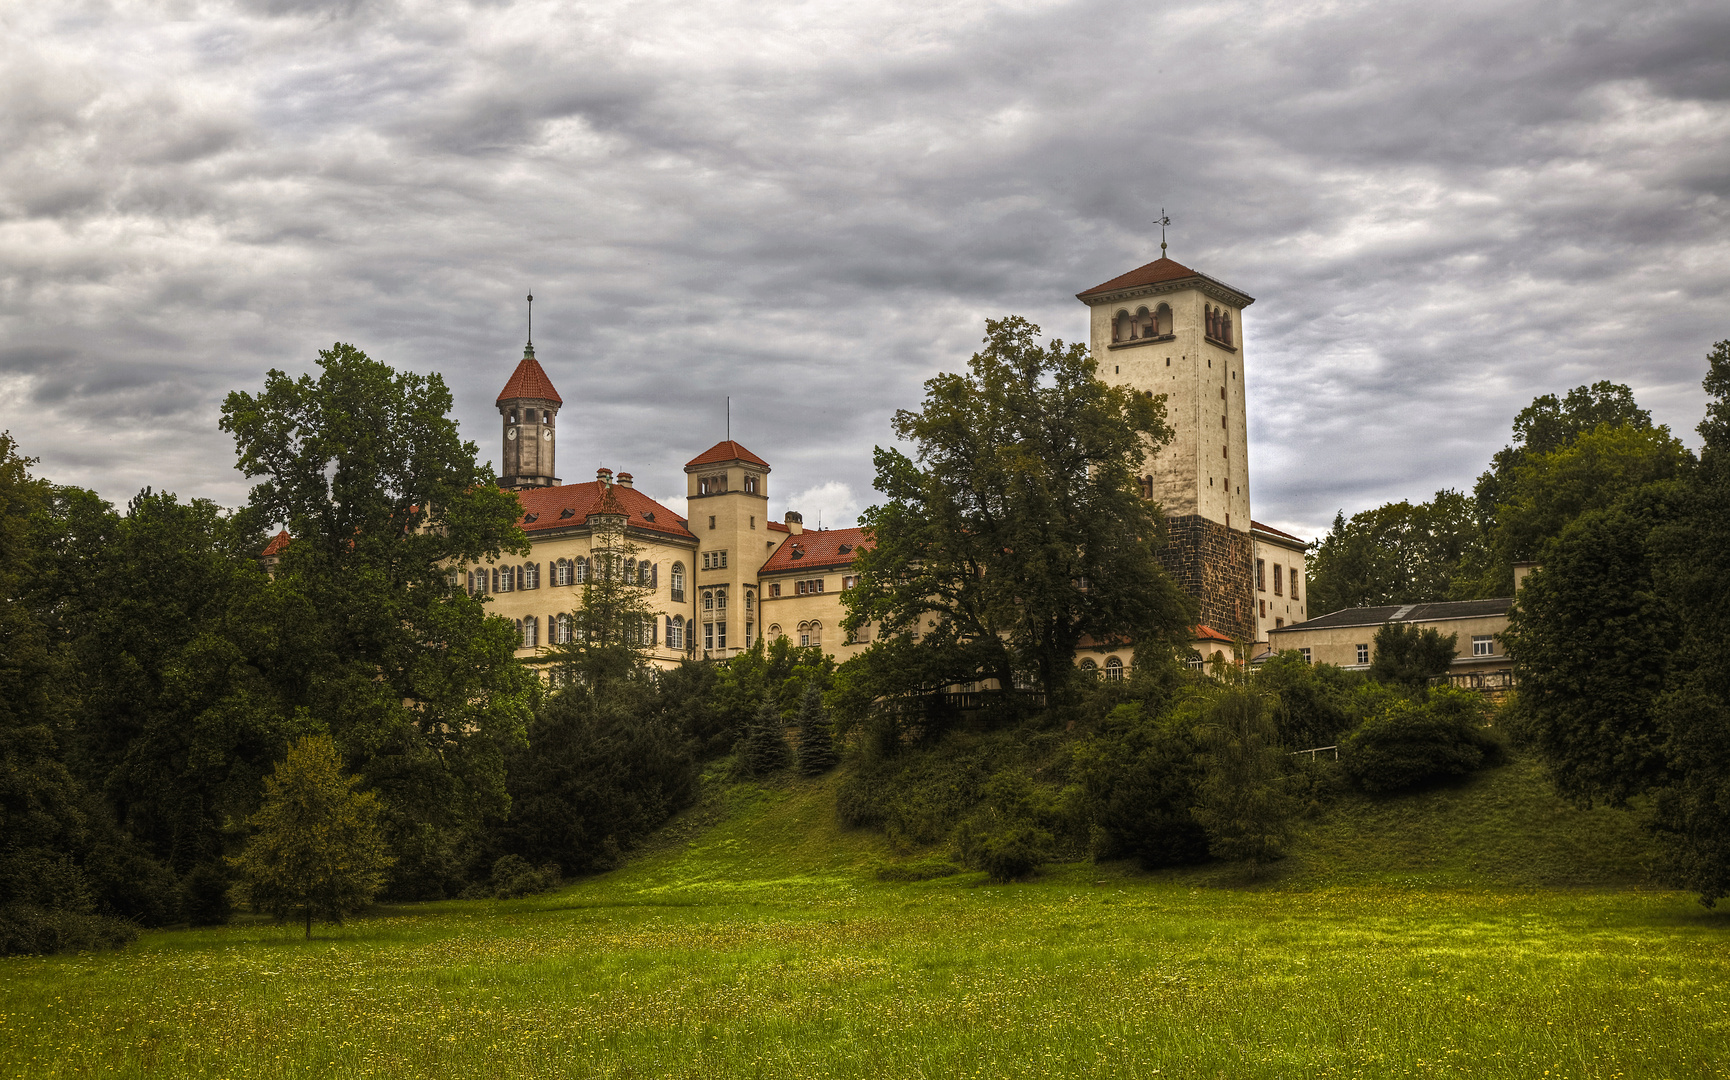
1480, 931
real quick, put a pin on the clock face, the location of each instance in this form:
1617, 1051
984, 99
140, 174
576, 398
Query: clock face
547, 435
511, 433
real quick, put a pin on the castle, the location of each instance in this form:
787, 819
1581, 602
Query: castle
723, 574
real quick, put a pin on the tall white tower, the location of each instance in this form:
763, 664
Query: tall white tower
1166, 329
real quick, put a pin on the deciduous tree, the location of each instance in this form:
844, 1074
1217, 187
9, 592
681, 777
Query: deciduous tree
1016, 530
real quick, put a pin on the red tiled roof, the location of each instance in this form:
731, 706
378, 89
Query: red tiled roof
726, 450
548, 504
816, 549
1208, 633
776, 526
1254, 524
277, 544
530, 381
1158, 271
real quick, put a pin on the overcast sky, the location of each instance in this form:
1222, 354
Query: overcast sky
1443, 210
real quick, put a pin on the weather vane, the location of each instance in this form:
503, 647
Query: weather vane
1162, 221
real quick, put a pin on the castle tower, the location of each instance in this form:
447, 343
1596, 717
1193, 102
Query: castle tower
1166, 329
528, 404
727, 493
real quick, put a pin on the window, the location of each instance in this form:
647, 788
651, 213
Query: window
1114, 669
1089, 666
775, 588
712, 485
529, 628
1305, 653
753, 521
477, 582
507, 579
750, 602
1261, 575
676, 632
1483, 645
708, 635
751, 489
849, 581
1363, 653
582, 569
645, 574
720, 599
559, 629
1146, 483
808, 587
1294, 581
1277, 623
714, 560
720, 635
708, 599
1263, 608
711, 521
774, 630
677, 577
1278, 579
748, 627
560, 572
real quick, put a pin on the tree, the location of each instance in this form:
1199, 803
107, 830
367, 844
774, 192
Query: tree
317, 852
1018, 530
1408, 656
1549, 424
612, 627
604, 766
1399, 553
816, 734
1242, 799
764, 748
1412, 741
419, 688
1136, 781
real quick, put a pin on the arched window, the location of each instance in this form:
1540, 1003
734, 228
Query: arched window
804, 632
1120, 326
582, 569
816, 633
676, 632
774, 631
721, 600
1225, 328
630, 571
1162, 320
1144, 323
1089, 666
519, 625
708, 600
750, 601
507, 579
560, 627
677, 579
531, 632
1146, 487
1113, 668
561, 571
644, 574
532, 575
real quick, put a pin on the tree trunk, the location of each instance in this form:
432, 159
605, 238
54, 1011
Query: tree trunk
309, 922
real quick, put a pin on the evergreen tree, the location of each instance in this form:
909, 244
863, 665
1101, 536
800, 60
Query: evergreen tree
1242, 799
764, 748
608, 636
816, 734
317, 852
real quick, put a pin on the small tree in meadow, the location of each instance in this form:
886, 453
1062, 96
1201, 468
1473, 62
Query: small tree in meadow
317, 853
816, 734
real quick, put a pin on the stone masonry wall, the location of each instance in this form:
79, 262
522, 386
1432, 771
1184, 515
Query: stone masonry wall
1215, 565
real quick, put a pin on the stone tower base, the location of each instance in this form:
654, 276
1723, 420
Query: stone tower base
1215, 565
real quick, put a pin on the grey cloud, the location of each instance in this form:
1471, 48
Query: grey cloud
1442, 211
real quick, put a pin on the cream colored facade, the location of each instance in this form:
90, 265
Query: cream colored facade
1347, 638
1280, 579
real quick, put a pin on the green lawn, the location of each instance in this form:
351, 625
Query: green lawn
1451, 934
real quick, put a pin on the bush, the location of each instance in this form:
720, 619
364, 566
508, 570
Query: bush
206, 892
1014, 852
1408, 656
1415, 741
514, 877
1134, 783
1317, 702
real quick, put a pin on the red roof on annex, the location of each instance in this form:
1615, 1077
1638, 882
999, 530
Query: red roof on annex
547, 505
529, 380
817, 549
725, 450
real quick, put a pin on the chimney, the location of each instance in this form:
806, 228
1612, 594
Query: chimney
603, 476
1523, 570
795, 522
625, 480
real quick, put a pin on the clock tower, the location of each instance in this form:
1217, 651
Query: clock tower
528, 404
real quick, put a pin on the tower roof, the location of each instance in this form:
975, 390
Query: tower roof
725, 450
1159, 272
530, 381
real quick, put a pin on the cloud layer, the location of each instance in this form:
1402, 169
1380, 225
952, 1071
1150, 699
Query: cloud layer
1442, 210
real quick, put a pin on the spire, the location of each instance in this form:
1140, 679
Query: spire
529, 349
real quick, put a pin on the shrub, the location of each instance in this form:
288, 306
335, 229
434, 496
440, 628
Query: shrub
1134, 783
764, 748
206, 891
1243, 800
1408, 656
816, 734
1014, 852
514, 877
1317, 702
1415, 741
1010, 835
